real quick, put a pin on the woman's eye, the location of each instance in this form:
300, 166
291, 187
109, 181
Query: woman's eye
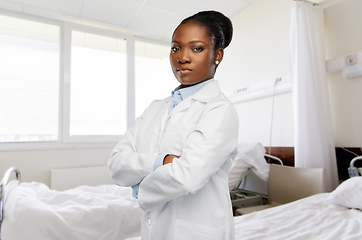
198, 49
174, 49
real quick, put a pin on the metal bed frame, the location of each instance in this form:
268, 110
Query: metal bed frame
3, 183
352, 170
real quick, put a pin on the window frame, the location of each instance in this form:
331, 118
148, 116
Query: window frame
65, 88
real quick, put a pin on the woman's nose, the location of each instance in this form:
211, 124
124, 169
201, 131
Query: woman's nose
184, 57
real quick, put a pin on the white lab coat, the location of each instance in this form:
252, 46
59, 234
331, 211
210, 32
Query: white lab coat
188, 199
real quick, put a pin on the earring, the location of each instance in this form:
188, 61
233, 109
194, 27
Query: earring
216, 62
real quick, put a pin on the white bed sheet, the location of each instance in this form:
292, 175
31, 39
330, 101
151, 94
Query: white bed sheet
33, 211
309, 218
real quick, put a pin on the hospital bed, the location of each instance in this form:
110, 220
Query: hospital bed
33, 211
335, 215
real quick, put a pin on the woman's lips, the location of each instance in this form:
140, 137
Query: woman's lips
183, 70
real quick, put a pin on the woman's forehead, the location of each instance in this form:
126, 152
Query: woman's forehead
191, 32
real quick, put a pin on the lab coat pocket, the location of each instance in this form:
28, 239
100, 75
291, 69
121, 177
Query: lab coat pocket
188, 230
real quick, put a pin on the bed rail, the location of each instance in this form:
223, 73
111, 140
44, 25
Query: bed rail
352, 170
354, 160
275, 158
3, 183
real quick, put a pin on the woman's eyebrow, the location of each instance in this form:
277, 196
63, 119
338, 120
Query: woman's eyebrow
197, 41
191, 42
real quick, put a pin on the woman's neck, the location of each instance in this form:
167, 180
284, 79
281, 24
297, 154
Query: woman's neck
186, 86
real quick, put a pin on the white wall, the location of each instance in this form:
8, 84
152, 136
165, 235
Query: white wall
260, 51
343, 23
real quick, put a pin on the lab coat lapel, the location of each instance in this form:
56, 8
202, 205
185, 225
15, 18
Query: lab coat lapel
181, 106
208, 92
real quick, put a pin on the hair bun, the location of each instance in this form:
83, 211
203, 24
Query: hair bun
225, 25
218, 25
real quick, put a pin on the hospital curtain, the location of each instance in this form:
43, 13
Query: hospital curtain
313, 138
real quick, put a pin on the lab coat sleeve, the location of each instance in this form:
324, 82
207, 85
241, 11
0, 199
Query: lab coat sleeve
126, 165
206, 149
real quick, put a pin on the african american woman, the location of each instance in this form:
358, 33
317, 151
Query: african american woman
177, 155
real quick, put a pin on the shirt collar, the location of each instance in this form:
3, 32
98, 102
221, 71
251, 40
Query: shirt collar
189, 91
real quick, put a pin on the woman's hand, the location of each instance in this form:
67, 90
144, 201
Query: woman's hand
169, 159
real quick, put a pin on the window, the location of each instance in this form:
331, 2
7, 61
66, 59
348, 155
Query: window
154, 77
29, 80
98, 82
66, 83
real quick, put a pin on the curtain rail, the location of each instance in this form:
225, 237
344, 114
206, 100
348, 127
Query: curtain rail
314, 4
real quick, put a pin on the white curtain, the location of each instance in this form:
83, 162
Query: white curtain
313, 138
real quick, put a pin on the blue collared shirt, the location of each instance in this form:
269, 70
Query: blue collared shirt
189, 91
185, 93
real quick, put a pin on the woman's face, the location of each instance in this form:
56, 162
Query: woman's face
192, 56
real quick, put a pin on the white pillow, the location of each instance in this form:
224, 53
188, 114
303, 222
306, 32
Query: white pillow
348, 194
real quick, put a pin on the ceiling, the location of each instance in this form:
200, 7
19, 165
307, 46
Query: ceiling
153, 19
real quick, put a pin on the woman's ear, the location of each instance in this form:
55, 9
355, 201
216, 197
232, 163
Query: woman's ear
219, 54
